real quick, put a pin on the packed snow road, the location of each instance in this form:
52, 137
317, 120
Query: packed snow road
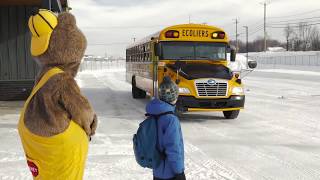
277, 136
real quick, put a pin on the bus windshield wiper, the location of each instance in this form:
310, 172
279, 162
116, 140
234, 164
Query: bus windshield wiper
181, 71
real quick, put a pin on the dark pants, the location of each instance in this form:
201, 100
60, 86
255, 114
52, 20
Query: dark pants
154, 178
177, 177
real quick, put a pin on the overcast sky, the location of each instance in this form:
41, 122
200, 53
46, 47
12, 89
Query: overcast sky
110, 25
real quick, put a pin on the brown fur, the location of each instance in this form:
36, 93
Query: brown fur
60, 100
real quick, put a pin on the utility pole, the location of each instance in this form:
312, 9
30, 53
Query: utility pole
265, 25
189, 19
247, 47
236, 22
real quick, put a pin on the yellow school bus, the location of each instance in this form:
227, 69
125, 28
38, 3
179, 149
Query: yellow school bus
195, 57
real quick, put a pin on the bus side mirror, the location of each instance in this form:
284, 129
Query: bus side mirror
233, 55
157, 49
252, 64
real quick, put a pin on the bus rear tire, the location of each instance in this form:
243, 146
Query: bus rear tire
136, 92
231, 114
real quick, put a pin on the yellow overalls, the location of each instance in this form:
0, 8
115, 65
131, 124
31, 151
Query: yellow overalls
59, 157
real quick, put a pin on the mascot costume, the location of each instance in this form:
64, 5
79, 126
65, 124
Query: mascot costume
57, 121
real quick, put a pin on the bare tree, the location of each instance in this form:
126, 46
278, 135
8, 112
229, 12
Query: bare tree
305, 32
257, 45
315, 39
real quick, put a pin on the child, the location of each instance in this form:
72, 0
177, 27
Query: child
170, 139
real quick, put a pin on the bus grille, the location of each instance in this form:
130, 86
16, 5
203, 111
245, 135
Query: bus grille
218, 89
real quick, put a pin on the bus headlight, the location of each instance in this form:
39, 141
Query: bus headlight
184, 90
237, 90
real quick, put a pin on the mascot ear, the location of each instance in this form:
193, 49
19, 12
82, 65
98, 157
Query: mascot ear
66, 20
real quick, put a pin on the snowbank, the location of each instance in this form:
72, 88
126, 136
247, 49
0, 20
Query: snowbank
239, 64
286, 53
289, 71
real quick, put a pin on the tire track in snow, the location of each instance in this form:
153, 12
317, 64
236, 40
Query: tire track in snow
199, 166
263, 155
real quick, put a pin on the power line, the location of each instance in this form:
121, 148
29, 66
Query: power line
294, 20
256, 31
239, 34
294, 26
258, 23
281, 23
295, 23
308, 12
253, 32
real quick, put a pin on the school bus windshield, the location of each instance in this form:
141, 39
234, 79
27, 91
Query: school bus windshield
193, 51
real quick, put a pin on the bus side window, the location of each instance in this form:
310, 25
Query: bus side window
148, 56
141, 53
135, 54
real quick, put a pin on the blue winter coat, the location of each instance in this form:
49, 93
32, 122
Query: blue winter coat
170, 140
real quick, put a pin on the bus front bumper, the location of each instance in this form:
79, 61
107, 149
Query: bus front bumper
189, 103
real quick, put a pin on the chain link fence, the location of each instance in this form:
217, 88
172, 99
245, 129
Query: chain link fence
288, 58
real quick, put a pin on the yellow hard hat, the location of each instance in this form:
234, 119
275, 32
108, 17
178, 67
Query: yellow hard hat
41, 26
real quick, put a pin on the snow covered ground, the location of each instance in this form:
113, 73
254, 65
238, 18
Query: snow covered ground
277, 136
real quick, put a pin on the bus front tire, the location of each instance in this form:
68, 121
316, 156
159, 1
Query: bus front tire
136, 92
231, 114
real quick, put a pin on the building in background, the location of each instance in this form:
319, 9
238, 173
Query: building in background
17, 69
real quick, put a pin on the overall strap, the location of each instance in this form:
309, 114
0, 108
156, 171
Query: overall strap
42, 81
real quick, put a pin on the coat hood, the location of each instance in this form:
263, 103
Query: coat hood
157, 106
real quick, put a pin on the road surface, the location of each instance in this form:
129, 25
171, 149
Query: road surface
277, 136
